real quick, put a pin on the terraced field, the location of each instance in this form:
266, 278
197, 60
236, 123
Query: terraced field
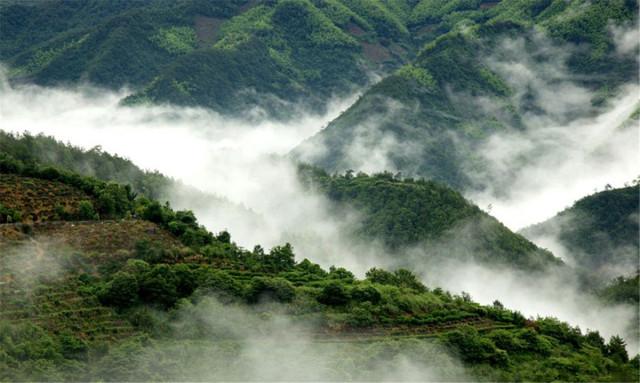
37, 199
41, 265
61, 307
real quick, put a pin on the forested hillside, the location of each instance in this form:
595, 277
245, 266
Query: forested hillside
600, 231
251, 222
510, 67
229, 55
104, 166
113, 296
398, 213
405, 213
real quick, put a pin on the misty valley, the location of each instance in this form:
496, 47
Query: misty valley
319, 190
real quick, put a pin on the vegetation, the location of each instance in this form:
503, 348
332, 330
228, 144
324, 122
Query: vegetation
100, 279
622, 290
452, 95
405, 212
600, 229
495, 343
295, 50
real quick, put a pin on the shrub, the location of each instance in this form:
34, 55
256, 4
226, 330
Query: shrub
366, 294
333, 294
121, 291
277, 289
86, 211
159, 286
473, 347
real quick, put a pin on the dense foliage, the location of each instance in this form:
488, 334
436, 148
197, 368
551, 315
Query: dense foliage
199, 53
154, 287
622, 290
94, 162
430, 117
601, 230
405, 212
46, 150
112, 201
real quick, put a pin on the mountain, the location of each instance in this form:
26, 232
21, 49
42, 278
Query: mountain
400, 213
599, 232
407, 213
507, 68
229, 55
101, 284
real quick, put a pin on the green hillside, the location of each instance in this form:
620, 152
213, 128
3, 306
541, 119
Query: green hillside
104, 166
400, 213
118, 286
404, 213
229, 55
600, 231
431, 115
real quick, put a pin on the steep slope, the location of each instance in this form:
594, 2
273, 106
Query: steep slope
230, 55
131, 299
406, 213
496, 71
599, 232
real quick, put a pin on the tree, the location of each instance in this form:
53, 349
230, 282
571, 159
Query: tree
281, 258
617, 349
334, 294
159, 286
86, 211
341, 273
380, 276
270, 288
405, 278
366, 293
121, 291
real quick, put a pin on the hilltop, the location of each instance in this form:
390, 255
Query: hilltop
407, 213
600, 231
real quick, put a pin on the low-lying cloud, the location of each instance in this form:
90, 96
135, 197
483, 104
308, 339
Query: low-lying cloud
241, 161
211, 341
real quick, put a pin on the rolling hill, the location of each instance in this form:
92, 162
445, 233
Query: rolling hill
401, 214
405, 214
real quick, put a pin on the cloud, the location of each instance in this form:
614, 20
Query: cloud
556, 294
211, 341
30, 263
626, 38
569, 146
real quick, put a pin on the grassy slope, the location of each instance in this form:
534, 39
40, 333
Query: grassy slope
429, 102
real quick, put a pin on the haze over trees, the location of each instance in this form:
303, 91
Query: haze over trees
319, 190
